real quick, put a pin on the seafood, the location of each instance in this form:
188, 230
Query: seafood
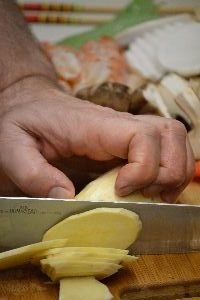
95, 63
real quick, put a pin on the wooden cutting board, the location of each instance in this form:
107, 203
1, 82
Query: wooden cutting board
151, 277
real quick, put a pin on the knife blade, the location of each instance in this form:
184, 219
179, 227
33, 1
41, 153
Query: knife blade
167, 228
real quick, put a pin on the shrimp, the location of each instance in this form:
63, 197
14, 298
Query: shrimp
66, 63
101, 61
95, 63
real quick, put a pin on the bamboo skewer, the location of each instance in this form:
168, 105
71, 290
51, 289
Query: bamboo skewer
173, 10
85, 20
67, 7
61, 19
70, 7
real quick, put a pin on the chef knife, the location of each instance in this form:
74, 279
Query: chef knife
167, 228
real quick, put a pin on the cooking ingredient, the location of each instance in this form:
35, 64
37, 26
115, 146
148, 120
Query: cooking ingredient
153, 95
169, 100
190, 104
173, 87
141, 56
190, 195
110, 94
23, 255
174, 83
195, 85
92, 253
97, 228
164, 95
103, 189
91, 71
101, 61
65, 61
83, 288
57, 270
131, 33
179, 51
170, 87
136, 12
153, 53
109, 253
197, 169
85, 261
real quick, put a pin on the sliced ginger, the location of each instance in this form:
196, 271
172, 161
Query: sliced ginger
83, 288
23, 255
100, 227
62, 269
111, 253
83, 261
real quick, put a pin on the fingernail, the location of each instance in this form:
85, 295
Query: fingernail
125, 190
59, 193
167, 198
170, 197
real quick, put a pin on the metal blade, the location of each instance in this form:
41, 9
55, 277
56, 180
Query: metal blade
167, 228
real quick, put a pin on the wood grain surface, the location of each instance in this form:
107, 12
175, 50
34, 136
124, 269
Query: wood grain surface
152, 277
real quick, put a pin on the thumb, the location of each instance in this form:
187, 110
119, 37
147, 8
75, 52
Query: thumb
30, 171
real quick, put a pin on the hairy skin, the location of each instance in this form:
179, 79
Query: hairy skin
20, 55
40, 125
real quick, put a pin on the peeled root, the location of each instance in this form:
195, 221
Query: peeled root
83, 288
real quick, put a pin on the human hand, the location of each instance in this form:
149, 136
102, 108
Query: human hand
39, 124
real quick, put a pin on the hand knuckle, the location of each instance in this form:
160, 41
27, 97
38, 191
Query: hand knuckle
177, 177
148, 174
150, 131
176, 126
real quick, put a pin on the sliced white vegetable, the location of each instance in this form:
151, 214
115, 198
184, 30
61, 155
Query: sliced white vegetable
190, 104
152, 95
169, 100
195, 85
136, 64
129, 35
100, 227
24, 254
192, 99
146, 61
174, 83
180, 50
149, 50
171, 86
143, 51
83, 288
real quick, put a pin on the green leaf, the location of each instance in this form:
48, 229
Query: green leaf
136, 12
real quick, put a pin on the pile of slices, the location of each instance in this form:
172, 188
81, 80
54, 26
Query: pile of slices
81, 250
174, 47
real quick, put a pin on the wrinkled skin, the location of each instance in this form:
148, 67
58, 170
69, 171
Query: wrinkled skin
39, 125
